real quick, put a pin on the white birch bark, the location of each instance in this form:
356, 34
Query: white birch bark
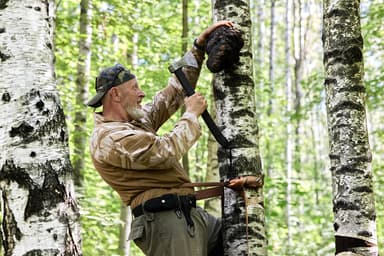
350, 155
39, 212
243, 220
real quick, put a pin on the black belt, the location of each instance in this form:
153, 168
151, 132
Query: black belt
181, 205
165, 203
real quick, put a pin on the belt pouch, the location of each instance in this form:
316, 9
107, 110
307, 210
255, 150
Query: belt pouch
186, 205
162, 203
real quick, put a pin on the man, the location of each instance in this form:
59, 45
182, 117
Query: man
144, 168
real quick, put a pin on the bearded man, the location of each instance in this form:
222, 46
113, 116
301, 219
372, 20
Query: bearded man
144, 168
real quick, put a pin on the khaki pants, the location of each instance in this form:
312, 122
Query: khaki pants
166, 234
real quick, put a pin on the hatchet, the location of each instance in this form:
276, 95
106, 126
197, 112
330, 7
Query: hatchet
189, 60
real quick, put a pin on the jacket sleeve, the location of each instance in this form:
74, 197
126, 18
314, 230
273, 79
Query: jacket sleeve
137, 149
168, 101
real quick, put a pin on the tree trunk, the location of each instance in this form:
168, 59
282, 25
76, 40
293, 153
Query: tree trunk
212, 205
39, 212
243, 217
82, 81
289, 149
271, 76
125, 229
298, 49
353, 200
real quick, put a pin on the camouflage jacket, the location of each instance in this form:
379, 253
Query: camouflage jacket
136, 162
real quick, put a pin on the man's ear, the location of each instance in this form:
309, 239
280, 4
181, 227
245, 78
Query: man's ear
115, 93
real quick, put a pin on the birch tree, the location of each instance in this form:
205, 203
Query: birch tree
243, 216
353, 199
82, 82
271, 78
39, 212
212, 205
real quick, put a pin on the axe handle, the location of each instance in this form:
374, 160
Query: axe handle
206, 116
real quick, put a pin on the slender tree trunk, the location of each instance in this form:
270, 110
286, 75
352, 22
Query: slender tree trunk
271, 76
289, 132
298, 45
212, 205
82, 81
243, 217
39, 212
125, 229
350, 155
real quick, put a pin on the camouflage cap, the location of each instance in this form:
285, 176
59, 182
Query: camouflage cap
107, 79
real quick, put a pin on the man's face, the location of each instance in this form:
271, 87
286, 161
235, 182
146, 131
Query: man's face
131, 96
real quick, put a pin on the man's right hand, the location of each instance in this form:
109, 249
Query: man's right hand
196, 104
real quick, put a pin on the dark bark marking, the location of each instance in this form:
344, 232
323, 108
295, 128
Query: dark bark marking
4, 57
337, 13
242, 112
346, 169
352, 55
239, 141
347, 104
3, 4
365, 233
349, 55
225, 3
40, 105
10, 228
24, 130
53, 124
6, 97
330, 81
42, 252
347, 244
238, 80
2, 30
33, 154
336, 226
10, 172
362, 189
343, 204
219, 94
40, 200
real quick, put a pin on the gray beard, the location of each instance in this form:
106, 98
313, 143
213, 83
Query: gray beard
135, 113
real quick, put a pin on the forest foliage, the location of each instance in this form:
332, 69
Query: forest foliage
158, 27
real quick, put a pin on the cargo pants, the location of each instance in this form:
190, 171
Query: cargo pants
166, 233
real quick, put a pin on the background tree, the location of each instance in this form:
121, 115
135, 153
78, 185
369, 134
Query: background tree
39, 212
353, 200
82, 84
243, 216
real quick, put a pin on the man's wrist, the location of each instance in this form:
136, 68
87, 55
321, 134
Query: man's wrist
191, 116
198, 46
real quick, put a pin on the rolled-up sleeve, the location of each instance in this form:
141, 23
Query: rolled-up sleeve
137, 149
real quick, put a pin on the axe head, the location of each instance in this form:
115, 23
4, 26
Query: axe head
188, 60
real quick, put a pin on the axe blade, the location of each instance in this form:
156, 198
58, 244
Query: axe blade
188, 60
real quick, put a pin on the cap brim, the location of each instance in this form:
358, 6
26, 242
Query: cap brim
96, 100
